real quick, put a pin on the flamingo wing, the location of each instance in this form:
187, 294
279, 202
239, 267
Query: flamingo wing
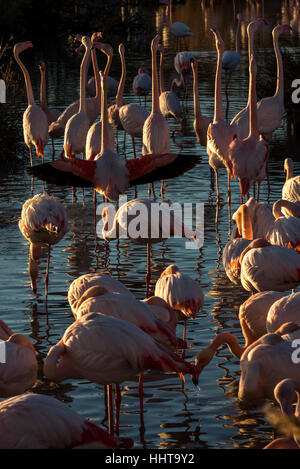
72, 172
151, 168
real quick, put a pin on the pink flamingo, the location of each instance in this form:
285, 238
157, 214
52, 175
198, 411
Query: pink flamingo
260, 216
287, 421
291, 187
35, 125
18, 371
201, 122
178, 29
269, 110
108, 173
263, 364
169, 102
163, 311
37, 421
108, 350
249, 156
285, 309
57, 128
142, 83
286, 208
43, 221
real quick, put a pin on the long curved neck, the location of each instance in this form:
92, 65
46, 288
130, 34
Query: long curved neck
168, 15
289, 169
119, 97
246, 224
29, 91
96, 74
206, 355
43, 99
250, 52
161, 73
238, 37
218, 115
197, 109
155, 92
280, 79
104, 117
253, 129
291, 207
83, 76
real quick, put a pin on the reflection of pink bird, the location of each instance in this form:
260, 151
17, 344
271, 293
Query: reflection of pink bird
108, 173
37, 421
18, 370
43, 221
128, 308
108, 350
35, 125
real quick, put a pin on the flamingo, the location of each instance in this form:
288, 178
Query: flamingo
142, 83
257, 263
99, 300
93, 138
18, 372
57, 128
291, 187
287, 208
249, 156
43, 221
154, 226
78, 125
182, 65
263, 364
231, 59
201, 122
163, 311
156, 134
269, 110
35, 125
285, 309
37, 421
260, 216
169, 102
287, 420
108, 173
219, 133
83, 283
178, 29
108, 350
113, 110
52, 114
181, 292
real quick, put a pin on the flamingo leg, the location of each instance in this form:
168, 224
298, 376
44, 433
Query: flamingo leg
217, 186
229, 203
30, 154
117, 406
258, 191
53, 149
133, 144
47, 273
83, 198
212, 178
110, 410
148, 275
141, 396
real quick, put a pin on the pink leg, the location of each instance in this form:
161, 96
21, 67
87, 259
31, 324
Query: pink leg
133, 144
141, 395
53, 149
47, 274
117, 406
148, 275
110, 410
83, 199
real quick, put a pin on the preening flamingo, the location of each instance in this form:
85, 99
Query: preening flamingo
291, 187
108, 350
169, 102
57, 128
284, 207
156, 134
37, 421
18, 372
163, 311
43, 222
99, 300
219, 133
286, 421
257, 267
248, 157
108, 173
259, 214
78, 125
83, 283
35, 124
285, 309
178, 29
265, 362
142, 83
201, 122
269, 110
231, 258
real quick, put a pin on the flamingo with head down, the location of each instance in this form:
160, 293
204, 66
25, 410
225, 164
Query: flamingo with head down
35, 124
291, 187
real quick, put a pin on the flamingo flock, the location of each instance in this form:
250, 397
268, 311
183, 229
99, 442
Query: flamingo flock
113, 336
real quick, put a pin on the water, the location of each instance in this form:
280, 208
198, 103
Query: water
176, 416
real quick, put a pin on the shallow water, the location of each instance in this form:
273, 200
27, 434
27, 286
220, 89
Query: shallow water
175, 415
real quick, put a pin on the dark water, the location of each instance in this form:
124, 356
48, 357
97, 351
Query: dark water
176, 416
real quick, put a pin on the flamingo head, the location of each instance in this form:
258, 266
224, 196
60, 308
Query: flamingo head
239, 17
280, 28
254, 25
21, 339
95, 37
155, 42
21, 46
143, 70
42, 66
121, 49
284, 393
218, 39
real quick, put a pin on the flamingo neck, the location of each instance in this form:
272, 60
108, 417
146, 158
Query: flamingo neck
161, 74
168, 15
238, 37
289, 169
246, 224
104, 117
253, 129
280, 79
218, 115
119, 97
197, 109
28, 85
112, 233
43, 99
96, 74
250, 52
206, 355
155, 92
280, 204
83, 77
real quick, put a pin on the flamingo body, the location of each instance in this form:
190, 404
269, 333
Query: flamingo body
285, 309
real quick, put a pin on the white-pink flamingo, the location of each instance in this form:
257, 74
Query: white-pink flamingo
291, 187
35, 124
141, 84
37, 421
285, 309
178, 29
201, 122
